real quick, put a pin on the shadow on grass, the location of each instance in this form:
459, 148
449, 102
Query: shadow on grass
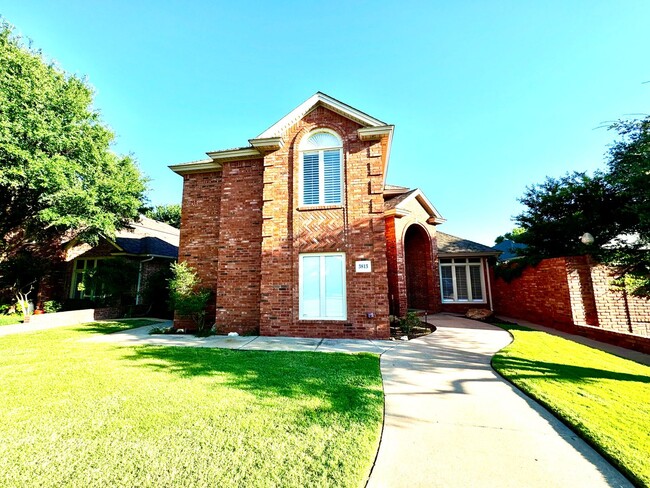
112, 326
350, 385
521, 368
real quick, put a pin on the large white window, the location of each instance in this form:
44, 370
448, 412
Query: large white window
321, 179
461, 280
322, 286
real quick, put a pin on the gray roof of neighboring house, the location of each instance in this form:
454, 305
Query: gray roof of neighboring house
149, 237
448, 244
508, 249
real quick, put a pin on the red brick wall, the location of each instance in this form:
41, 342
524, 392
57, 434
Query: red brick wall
243, 230
574, 294
356, 228
199, 237
540, 294
240, 242
618, 311
419, 269
395, 263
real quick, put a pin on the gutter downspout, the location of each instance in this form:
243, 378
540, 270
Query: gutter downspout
487, 271
137, 291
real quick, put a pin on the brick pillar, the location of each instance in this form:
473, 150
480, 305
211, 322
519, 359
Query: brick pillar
581, 291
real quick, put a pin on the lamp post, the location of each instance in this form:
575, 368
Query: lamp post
587, 239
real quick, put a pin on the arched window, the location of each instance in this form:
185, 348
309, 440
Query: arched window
321, 156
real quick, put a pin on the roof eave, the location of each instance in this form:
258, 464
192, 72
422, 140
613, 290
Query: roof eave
467, 253
316, 99
267, 144
203, 166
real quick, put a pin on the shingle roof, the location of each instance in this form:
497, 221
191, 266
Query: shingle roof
508, 249
149, 237
395, 201
448, 244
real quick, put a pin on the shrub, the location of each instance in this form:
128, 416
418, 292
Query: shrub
409, 322
52, 306
186, 296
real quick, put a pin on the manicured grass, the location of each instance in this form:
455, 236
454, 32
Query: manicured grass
10, 319
603, 397
76, 413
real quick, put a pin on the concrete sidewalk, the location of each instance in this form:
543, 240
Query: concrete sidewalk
451, 421
141, 336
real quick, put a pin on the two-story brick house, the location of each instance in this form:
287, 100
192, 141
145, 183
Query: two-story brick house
298, 233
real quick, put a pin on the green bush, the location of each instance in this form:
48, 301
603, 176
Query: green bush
52, 306
409, 322
186, 296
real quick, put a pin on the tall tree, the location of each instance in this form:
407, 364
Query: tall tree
58, 174
612, 205
170, 214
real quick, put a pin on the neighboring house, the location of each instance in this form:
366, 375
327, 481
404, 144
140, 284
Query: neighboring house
508, 249
137, 253
298, 233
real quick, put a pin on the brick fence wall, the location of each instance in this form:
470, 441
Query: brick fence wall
574, 294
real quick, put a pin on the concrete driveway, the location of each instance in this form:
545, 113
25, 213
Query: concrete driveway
451, 421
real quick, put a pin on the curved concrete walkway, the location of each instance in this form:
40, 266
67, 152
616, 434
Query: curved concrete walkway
451, 421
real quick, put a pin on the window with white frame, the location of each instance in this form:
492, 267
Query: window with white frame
461, 280
322, 286
321, 155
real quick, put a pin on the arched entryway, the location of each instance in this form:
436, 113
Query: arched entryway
419, 268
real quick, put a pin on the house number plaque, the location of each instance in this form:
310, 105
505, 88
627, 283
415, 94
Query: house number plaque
363, 266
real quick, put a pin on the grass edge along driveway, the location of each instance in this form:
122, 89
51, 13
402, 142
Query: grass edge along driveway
602, 397
74, 413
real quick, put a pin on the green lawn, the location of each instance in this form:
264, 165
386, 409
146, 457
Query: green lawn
75, 413
10, 319
603, 397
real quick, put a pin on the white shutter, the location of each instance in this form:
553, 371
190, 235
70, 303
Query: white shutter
310, 179
332, 176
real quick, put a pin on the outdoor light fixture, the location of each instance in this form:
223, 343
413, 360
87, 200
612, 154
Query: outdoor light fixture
587, 238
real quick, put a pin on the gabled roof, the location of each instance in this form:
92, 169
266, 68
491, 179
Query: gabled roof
449, 246
271, 138
397, 205
319, 99
149, 237
143, 237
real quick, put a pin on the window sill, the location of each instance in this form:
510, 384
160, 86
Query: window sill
316, 319
307, 208
466, 302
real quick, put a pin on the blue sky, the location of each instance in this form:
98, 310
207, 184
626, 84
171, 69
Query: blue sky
487, 97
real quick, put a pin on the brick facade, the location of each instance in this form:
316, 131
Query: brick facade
243, 229
574, 294
251, 257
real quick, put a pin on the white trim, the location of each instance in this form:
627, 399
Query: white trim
195, 167
321, 276
305, 107
424, 203
234, 154
398, 213
467, 265
373, 133
267, 143
321, 169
